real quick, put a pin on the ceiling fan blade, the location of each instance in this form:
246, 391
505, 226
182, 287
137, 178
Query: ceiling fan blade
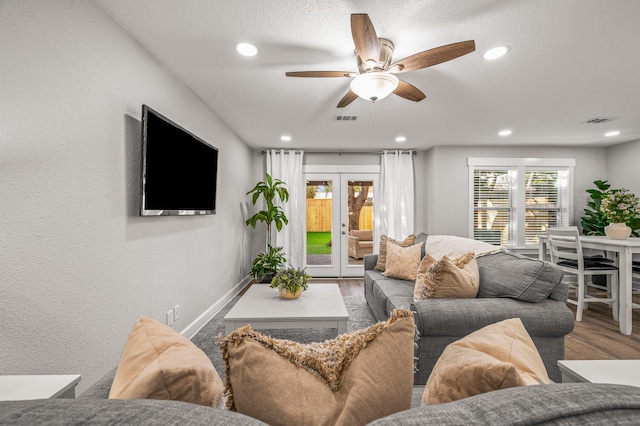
347, 99
364, 37
321, 74
433, 56
409, 91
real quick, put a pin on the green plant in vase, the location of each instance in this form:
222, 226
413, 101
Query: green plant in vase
265, 265
291, 282
268, 263
621, 209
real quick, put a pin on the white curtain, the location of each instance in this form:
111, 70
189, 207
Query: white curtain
394, 200
286, 165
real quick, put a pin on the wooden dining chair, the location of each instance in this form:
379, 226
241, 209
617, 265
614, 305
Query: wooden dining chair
566, 251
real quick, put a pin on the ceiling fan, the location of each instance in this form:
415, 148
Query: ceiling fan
375, 79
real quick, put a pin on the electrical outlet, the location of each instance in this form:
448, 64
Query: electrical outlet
176, 312
170, 317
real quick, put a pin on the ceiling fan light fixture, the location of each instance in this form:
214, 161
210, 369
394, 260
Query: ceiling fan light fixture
374, 86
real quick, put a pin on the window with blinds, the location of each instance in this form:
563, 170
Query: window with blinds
513, 205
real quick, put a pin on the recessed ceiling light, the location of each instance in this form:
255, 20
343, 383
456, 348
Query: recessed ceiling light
496, 52
504, 132
401, 139
247, 49
285, 138
612, 133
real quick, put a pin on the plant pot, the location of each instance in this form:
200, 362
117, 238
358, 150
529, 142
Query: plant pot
266, 278
286, 294
617, 231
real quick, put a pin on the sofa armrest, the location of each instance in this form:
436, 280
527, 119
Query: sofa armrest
459, 317
370, 261
101, 388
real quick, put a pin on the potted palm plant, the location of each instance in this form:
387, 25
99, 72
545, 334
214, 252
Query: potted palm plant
291, 282
266, 264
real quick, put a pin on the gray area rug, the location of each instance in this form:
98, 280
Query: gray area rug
360, 317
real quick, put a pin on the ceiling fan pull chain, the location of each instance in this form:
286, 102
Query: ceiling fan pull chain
373, 120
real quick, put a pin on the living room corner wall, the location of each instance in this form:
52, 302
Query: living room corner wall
622, 166
448, 179
78, 265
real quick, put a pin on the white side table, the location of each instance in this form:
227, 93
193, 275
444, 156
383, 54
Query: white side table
616, 371
17, 388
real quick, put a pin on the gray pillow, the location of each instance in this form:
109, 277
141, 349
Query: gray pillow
506, 274
422, 238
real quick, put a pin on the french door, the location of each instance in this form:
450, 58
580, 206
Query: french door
339, 204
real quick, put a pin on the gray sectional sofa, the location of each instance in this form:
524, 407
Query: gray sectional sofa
554, 404
510, 286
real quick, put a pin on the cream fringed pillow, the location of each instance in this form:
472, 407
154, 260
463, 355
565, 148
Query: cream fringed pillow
447, 278
350, 380
381, 264
402, 262
498, 356
159, 363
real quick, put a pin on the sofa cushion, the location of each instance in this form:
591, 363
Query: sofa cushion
554, 404
498, 356
159, 363
447, 278
352, 379
506, 274
422, 238
402, 262
381, 264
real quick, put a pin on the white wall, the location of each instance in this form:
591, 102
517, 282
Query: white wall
78, 265
447, 191
622, 166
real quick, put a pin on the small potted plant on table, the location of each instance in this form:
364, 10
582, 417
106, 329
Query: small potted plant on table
291, 282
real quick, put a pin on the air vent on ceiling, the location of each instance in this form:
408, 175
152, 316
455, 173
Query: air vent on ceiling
345, 118
600, 120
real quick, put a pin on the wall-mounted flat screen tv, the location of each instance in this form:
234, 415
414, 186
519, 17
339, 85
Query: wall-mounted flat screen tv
179, 170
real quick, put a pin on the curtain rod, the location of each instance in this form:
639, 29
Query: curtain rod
402, 151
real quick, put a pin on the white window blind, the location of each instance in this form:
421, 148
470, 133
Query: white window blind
513, 205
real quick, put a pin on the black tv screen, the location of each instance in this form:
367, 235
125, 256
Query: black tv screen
179, 170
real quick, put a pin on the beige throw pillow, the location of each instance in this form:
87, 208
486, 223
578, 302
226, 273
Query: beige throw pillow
447, 278
351, 380
402, 262
159, 363
381, 264
498, 356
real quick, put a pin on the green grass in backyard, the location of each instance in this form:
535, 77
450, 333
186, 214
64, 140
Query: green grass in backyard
318, 242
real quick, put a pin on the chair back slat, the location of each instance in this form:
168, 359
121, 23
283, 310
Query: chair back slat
564, 244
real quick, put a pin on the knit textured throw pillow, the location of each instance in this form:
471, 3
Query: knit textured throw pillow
381, 264
350, 380
447, 278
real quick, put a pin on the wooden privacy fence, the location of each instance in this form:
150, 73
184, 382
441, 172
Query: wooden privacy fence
319, 215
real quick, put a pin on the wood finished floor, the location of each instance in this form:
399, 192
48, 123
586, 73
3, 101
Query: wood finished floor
597, 336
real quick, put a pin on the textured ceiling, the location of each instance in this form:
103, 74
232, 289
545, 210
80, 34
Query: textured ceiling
570, 60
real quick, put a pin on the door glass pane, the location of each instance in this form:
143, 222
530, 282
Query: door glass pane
319, 220
360, 226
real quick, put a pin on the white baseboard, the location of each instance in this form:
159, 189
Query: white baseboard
204, 318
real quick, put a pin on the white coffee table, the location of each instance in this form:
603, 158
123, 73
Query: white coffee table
22, 387
321, 306
616, 371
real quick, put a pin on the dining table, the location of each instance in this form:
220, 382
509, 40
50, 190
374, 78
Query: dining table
622, 252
